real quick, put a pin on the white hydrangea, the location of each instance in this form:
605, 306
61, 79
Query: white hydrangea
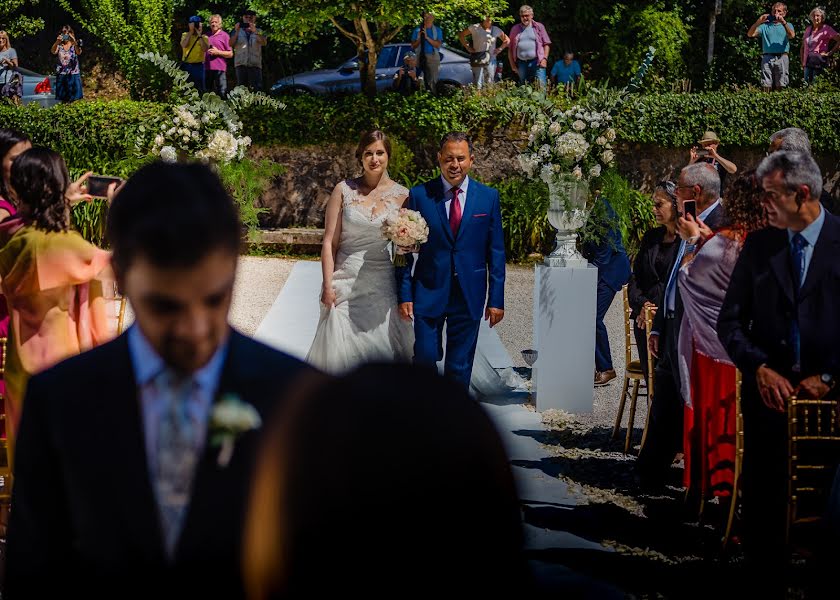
547, 174
183, 114
222, 146
177, 120
607, 156
572, 145
528, 164
555, 128
159, 140
595, 124
545, 151
168, 154
610, 133
578, 125
601, 140
171, 132
595, 171
577, 173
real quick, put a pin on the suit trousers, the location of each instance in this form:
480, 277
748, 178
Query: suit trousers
603, 355
665, 429
461, 337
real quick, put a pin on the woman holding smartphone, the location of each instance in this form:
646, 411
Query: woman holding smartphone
10, 82
68, 78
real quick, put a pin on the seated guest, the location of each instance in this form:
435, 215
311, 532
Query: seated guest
566, 72
51, 277
780, 326
653, 263
609, 256
408, 79
707, 375
387, 436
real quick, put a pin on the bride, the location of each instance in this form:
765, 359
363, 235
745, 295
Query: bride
359, 319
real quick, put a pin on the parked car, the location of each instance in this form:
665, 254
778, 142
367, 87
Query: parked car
454, 72
38, 88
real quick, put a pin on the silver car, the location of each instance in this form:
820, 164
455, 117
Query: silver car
454, 72
31, 81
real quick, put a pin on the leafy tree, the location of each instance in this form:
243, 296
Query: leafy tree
17, 24
369, 24
128, 27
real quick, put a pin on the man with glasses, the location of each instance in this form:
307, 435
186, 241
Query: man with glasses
529, 47
700, 183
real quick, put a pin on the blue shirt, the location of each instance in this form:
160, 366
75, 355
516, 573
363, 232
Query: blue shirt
566, 73
811, 235
774, 38
432, 33
147, 366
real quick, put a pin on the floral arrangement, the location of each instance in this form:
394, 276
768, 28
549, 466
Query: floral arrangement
231, 417
406, 229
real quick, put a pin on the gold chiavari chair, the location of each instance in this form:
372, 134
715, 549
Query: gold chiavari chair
120, 314
649, 313
813, 452
632, 372
5, 455
739, 460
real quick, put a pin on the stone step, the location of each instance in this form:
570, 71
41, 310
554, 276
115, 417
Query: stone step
304, 240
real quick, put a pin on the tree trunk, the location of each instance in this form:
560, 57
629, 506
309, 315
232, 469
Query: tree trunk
368, 73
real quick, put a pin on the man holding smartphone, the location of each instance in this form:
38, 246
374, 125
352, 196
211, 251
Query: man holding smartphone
427, 39
776, 34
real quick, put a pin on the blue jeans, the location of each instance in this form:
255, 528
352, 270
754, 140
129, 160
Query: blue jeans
196, 74
530, 71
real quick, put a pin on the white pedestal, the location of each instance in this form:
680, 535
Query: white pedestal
564, 337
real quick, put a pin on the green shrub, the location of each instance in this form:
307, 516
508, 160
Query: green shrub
524, 205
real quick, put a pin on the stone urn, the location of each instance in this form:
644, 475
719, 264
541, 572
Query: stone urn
567, 212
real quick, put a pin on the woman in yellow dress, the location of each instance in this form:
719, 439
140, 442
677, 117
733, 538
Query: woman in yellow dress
53, 279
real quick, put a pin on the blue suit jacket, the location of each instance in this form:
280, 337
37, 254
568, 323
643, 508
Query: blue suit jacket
609, 254
476, 255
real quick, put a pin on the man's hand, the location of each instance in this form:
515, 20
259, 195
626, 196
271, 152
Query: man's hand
494, 315
407, 311
693, 155
774, 389
653, 345
542, 64
765, 18
812, 387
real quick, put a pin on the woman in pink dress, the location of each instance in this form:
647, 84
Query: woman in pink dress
818, 42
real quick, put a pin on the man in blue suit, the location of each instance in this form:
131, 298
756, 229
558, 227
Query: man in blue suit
460, 270
609, 256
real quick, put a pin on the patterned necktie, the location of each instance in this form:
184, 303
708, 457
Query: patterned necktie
455, 212
797, 259
177, 455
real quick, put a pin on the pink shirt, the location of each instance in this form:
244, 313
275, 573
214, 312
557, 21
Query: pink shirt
817, 42
221, 41
542, 39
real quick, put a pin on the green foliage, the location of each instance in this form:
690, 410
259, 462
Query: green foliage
524, 204
16, 24
247, 181
128, 27
634, 209
89, 220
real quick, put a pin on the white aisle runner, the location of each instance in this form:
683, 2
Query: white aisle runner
293, 318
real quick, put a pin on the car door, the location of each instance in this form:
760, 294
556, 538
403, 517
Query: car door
345, 79
387, 66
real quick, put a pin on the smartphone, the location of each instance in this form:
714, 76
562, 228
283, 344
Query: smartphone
97, 185
690, 208
700, 151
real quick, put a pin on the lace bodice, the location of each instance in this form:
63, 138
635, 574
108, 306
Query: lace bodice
362, 217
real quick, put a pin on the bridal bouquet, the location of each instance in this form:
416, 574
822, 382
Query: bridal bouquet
406, 229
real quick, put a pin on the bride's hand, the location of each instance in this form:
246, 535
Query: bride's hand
328, 297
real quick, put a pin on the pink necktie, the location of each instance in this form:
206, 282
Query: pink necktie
455, 212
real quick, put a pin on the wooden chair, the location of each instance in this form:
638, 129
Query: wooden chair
739, 461
120, 314
632, 372
813, 453
649, 313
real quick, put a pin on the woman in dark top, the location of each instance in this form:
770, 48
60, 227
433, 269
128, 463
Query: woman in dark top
654, 262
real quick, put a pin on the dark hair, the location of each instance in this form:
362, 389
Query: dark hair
368, 138
9, 138
419, 489
456, 136
669, 188
40, 179
173, 215
743, 203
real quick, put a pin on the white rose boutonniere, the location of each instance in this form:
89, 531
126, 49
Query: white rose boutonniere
231, 417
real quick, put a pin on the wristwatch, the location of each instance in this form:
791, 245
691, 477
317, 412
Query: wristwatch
828, 380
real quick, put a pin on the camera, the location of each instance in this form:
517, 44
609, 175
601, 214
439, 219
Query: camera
700, 151
243, 25
771, 19
65, 37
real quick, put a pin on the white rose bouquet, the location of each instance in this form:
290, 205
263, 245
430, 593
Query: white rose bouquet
406, 229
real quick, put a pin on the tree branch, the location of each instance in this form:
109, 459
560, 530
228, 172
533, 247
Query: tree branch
357, 39
371, 41
387, 37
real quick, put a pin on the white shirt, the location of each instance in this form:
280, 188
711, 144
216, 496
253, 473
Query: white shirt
462, 196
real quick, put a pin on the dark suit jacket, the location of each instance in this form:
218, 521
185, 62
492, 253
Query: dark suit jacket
754, 323
476, 254
85, 516
646, 285
609, 255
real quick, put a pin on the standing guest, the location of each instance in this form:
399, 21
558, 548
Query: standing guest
215, 64
68, 78
119, 475
653, 263
566, 72
776, 34
194, 45
408, 80
11, 86
818, 43
248, 42
706, 151
431, 37
794, 139
52, 278
707, 375
529, 47
609, 256
779, 324
698, 183
483, 49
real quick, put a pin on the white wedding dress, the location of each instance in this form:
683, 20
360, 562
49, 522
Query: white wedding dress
364, 325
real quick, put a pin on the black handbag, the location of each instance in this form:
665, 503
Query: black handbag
815, 60
479, 59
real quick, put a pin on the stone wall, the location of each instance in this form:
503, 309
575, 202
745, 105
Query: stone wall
299, 197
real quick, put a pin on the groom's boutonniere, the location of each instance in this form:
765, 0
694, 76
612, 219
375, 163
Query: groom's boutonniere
231, 417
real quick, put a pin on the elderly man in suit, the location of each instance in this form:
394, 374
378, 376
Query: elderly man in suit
780, 325
698, 183
121, 486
